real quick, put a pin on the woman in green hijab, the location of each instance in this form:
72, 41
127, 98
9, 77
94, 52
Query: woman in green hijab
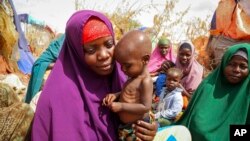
222, 99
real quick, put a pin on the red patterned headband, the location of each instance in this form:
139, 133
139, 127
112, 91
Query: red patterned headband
94, 29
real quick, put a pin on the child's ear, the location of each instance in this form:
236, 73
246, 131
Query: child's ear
145, 59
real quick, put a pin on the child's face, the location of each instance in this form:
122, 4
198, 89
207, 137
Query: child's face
185, 55
236, 70
172, 81
131, 65
163, 49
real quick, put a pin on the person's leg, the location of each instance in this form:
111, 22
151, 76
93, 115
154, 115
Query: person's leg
164, 122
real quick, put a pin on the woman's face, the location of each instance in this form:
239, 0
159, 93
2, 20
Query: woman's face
236, 70
99, 55
185, 55
164, 49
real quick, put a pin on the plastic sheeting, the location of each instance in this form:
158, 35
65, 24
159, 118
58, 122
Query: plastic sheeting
26, 58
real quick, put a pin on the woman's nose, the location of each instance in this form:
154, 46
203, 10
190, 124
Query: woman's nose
236, 69
103, 54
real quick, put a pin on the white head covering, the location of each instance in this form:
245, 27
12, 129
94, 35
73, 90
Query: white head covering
242, 54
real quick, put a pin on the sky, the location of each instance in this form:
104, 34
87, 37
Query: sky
55, 13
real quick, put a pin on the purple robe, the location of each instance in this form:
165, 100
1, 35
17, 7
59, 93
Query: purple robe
69, 108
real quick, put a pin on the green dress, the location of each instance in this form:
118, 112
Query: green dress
40, 66
217, 104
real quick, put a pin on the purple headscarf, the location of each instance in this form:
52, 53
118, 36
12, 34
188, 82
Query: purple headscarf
69, 108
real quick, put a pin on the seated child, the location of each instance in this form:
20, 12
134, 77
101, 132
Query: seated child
135, 99
171, 101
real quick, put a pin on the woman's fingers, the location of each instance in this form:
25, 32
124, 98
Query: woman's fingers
145, 131
104, 102
141, 137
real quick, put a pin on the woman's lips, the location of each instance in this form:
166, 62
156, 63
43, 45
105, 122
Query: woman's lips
105, 67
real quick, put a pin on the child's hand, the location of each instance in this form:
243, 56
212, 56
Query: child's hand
116, 106
190, 91
156, 99
109, 99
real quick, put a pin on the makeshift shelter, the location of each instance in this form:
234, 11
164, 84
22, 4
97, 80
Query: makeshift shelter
8, 40
26, 59
15, 50
230, 25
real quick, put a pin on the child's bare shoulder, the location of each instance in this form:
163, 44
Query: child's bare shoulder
147, 80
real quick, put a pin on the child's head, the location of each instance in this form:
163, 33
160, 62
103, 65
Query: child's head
185, 53
164, 44
133, 52
174, 76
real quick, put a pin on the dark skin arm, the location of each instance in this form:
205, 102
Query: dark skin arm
188, 93
164, 67
137, 108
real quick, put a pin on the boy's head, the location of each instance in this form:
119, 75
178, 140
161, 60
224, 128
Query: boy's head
133, 52
174, 76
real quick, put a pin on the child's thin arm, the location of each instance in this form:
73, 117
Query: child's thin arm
146, 99
110, 98
184, 92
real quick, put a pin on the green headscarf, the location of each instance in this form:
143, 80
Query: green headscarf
164, 41
217, 104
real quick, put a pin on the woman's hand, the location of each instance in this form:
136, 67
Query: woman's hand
145, 131
166, 65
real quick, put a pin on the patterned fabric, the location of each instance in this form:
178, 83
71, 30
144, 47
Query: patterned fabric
126, 131
15, 116
94, 29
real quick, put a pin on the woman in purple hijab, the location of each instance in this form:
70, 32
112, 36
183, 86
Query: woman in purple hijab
69, 108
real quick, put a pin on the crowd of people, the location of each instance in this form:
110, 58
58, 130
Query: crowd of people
102, 90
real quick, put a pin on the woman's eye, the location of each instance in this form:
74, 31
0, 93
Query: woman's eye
243, 67
90, 51
109, 44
